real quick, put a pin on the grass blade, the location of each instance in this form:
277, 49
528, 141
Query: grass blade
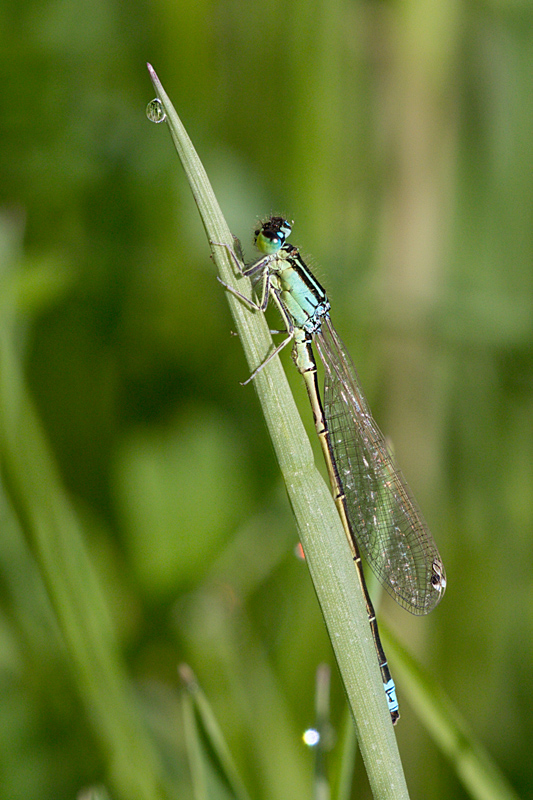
479, 774
327, 551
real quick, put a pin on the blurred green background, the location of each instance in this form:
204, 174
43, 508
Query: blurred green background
398, 136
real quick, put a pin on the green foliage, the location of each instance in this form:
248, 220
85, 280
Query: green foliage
160, 520
397, 136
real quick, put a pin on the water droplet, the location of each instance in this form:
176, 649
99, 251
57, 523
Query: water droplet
311, 737
155, 111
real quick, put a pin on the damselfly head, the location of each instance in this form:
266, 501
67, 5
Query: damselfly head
270, 235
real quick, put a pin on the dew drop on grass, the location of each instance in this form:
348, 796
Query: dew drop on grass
155, 111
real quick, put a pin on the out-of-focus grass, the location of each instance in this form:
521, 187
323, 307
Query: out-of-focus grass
33, 491
422, 236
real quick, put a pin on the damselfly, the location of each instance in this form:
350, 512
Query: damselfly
377, 510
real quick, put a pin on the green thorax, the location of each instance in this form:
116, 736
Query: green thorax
300, 293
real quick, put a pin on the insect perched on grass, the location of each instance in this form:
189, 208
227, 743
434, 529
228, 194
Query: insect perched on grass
378, 513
